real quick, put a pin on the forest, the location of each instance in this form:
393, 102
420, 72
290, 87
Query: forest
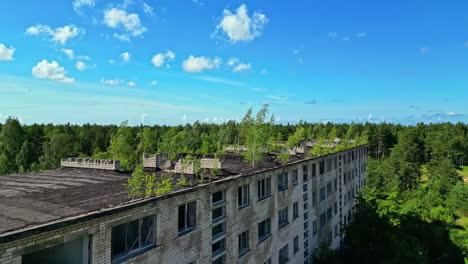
414, 209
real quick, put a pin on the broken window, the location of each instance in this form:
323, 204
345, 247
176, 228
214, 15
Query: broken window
217, 230
294, 176
296, 244
218, 247
283, 255
243, 196
264, 229
323, 193
72, 252
187, 217
295, 210
218, 197
282, 217
263, 188
132, 236
282, 181
244, 244
305, 173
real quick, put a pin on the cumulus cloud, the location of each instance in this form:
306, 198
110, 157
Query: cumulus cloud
154, 83
232, 61
60, 34
148, 9
200, 64
242, 67
131, 84
70, 53
78, 4
6, 54
239, 26
159, 59
125, 56
81, 65
120, 19
111, 82
122, 37
52, 71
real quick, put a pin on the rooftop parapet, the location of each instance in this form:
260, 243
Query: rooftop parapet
187, 167
156, 161
101, 164
236, 148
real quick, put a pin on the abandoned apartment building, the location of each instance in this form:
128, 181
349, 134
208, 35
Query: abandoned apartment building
270, 213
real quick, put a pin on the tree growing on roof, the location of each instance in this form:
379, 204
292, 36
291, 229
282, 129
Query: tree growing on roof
123, 145
255, 131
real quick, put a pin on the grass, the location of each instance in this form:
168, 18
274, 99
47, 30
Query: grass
464, 173
463, 221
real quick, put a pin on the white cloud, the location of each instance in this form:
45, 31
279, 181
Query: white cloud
126, 56
277, 97
60, 34
239, 26
81, 65
153, 83
148, 9
117, 18
369, 118
6, 54
111, 61
257, 89
216, 120
78, 4
361, 34
296, 51
346, 38
69, 53
52, 71
220, 80
199, 64
111, 82
242, 67
122, 37
232, 61
131, 84
83, 57
466, 43
159, 59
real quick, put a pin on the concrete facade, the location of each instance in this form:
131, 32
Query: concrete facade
344, 171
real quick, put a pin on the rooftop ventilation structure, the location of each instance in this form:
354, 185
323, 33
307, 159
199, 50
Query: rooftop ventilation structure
101, 164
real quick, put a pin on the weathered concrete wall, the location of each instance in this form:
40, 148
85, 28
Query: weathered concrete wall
101, 164
196, 245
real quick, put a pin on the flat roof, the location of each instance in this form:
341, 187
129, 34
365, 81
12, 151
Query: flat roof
44, 200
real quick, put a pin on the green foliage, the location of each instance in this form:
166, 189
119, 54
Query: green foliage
122, 146
296, 138
255, 133
284, 157
135, 183
457, 198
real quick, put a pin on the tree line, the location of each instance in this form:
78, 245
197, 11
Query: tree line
408, 213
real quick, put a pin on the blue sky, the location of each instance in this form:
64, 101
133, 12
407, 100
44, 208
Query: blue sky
172, 62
